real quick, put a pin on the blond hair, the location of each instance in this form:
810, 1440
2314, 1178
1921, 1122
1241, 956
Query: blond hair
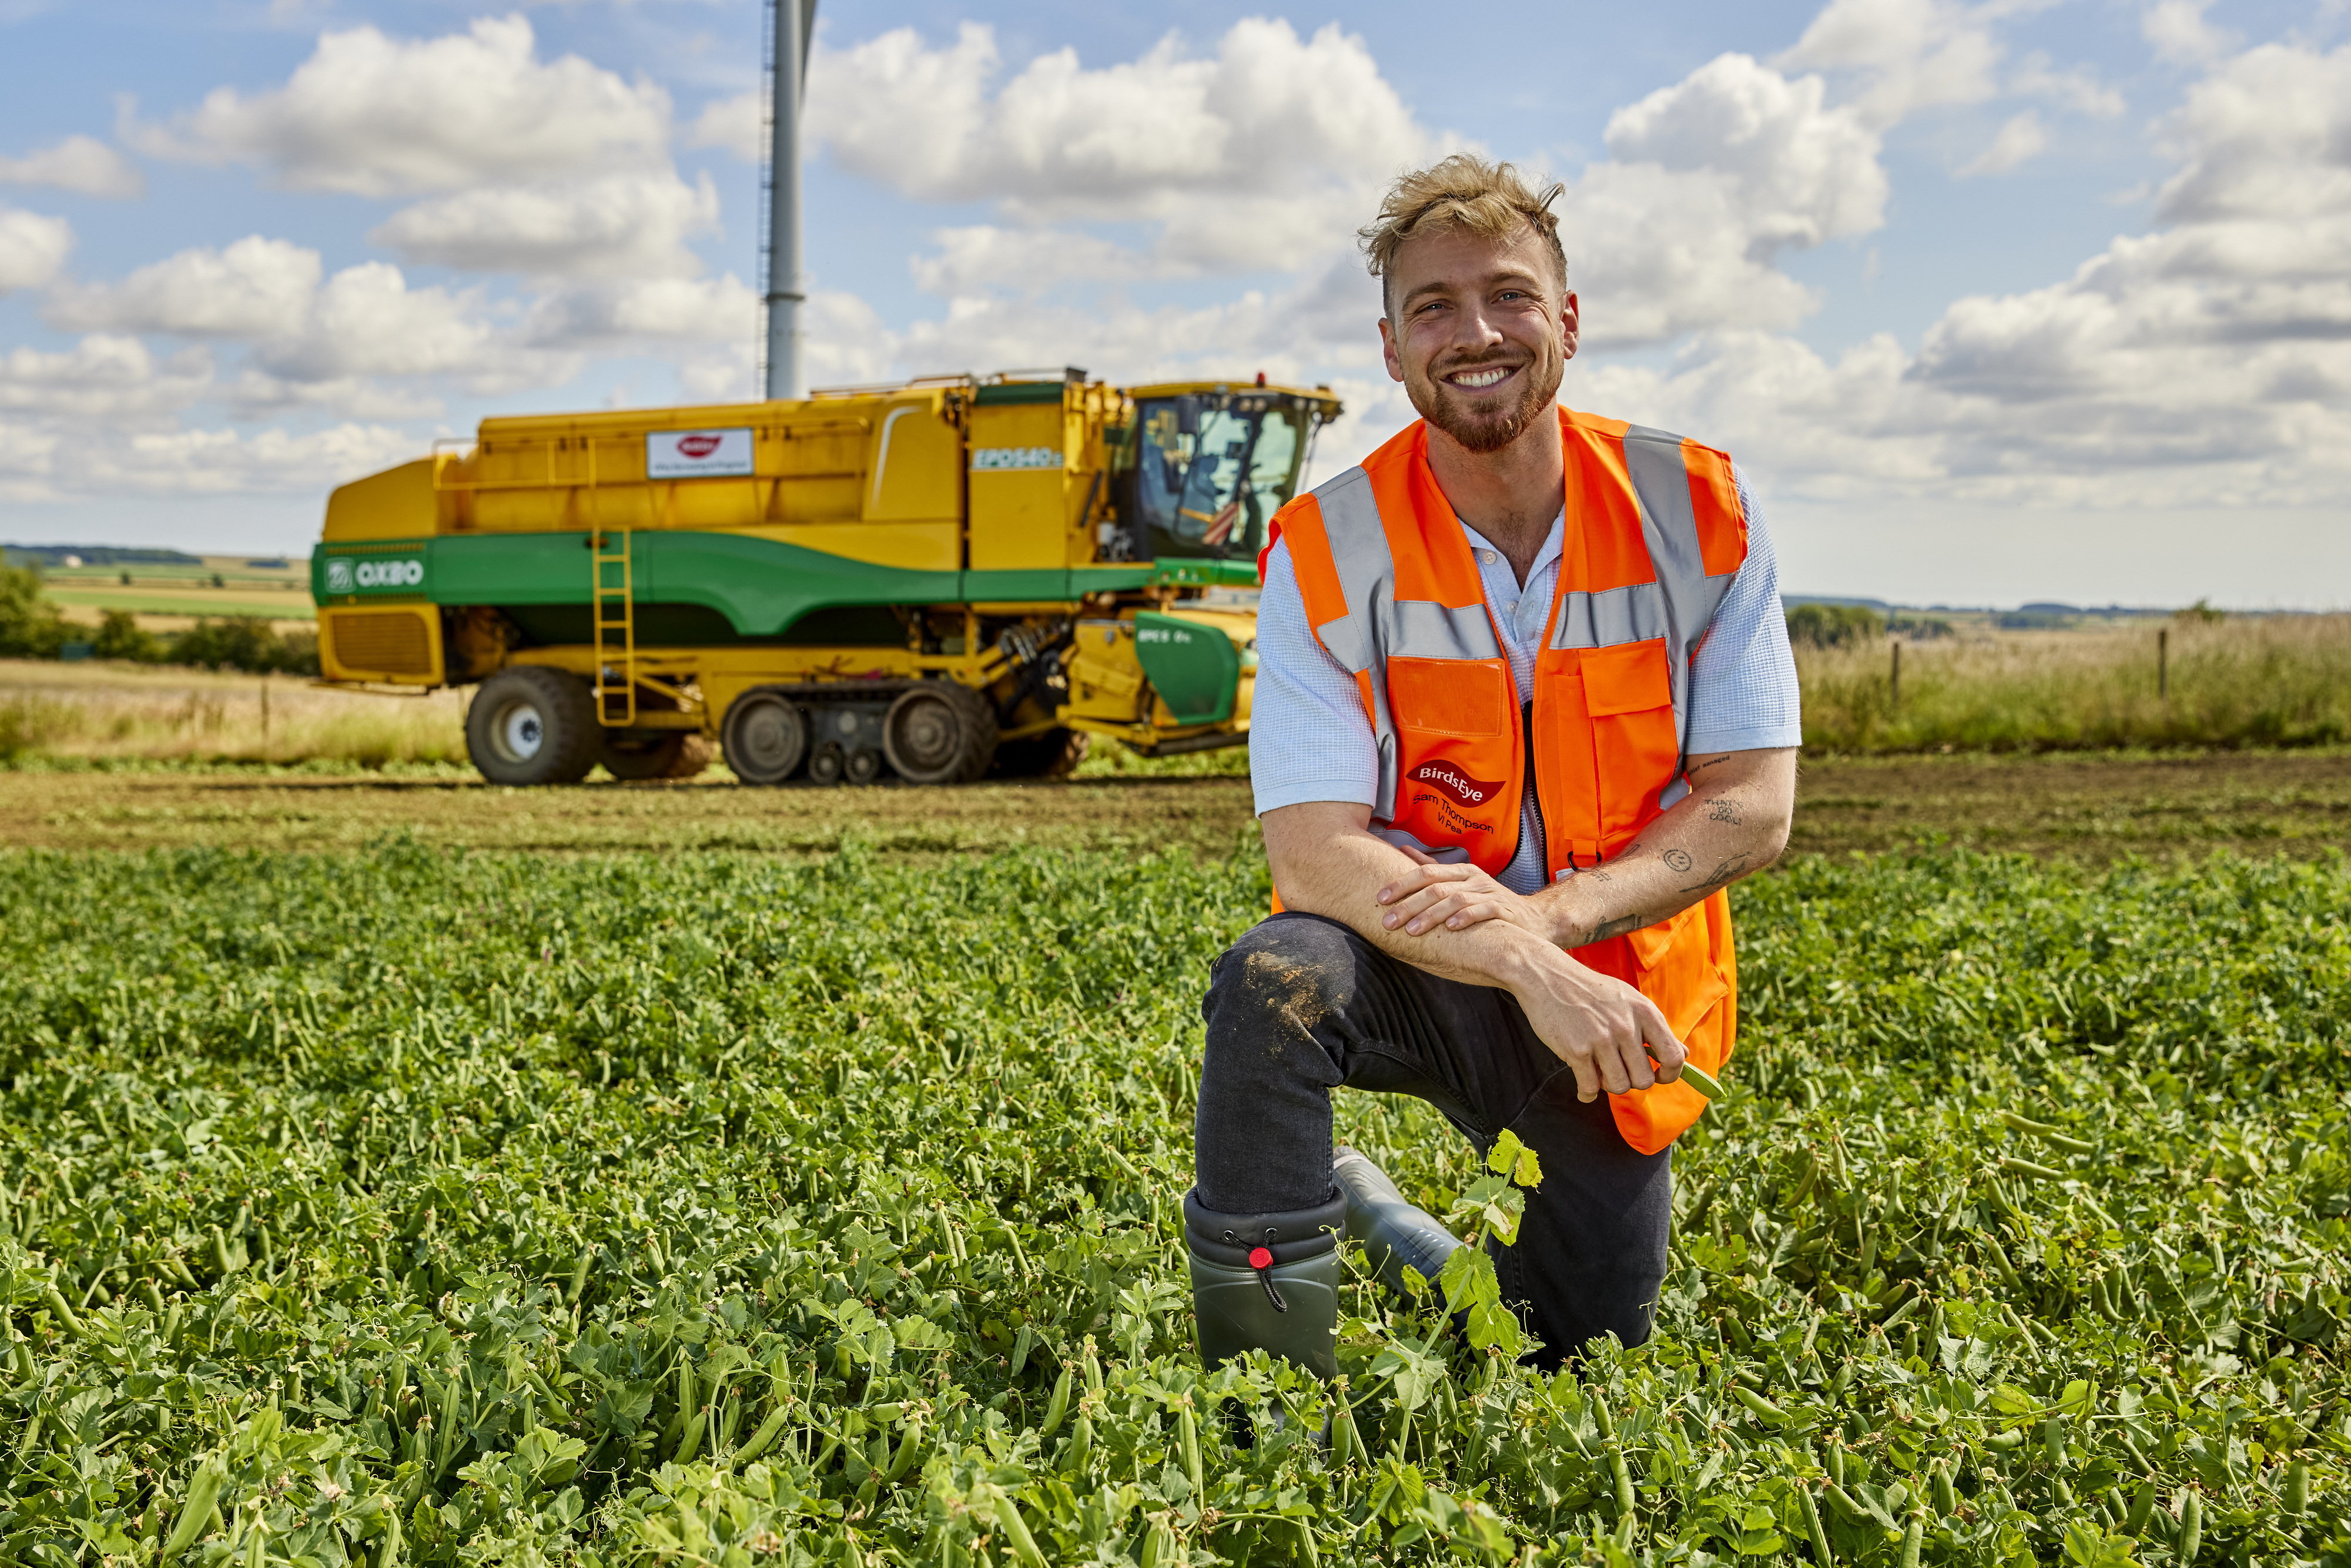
1464, 192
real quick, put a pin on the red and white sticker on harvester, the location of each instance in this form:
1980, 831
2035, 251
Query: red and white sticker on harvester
698, 454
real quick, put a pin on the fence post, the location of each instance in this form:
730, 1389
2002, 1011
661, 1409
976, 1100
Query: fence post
1894, 685
2163, 663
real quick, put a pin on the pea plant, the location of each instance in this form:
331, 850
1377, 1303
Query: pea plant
409, 1208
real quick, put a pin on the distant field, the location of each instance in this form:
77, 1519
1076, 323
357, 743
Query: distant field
190, 602
2257, 681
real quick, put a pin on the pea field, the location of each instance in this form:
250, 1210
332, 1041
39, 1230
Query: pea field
428, 1206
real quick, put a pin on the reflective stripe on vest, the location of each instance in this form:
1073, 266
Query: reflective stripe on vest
1655, 535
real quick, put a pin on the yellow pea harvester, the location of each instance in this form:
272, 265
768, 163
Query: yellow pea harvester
934, 581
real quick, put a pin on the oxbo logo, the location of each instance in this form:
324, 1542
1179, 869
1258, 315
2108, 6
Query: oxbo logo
698, 445
347, 576
1454, 782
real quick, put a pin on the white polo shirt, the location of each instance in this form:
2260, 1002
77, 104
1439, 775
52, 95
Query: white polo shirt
1309, 740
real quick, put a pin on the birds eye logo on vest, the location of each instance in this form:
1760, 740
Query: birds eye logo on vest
1469, 791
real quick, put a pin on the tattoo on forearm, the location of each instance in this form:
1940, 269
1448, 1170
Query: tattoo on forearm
1726, 872
1619, 926
1676, 860
1722, 809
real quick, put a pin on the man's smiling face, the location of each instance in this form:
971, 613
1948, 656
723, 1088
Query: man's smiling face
1479, 332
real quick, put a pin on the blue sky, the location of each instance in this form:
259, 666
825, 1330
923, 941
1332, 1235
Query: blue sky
1996, 301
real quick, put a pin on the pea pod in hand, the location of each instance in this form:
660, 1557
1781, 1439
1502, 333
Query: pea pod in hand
1699, 1079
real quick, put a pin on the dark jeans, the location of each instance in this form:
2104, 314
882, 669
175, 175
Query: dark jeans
1302, 1004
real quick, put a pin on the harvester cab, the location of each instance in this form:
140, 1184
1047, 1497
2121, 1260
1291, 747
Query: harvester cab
931, 582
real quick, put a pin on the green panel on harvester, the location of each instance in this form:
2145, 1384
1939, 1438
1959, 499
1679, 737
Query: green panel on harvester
761, 586
1195, 669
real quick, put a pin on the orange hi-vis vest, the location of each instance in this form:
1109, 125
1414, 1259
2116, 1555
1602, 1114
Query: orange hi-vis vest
1654, 534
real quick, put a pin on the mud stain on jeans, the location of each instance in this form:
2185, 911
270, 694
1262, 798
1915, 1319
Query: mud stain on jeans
1297, 996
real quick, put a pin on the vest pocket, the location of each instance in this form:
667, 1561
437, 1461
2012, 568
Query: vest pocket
1628, 691
1457, 755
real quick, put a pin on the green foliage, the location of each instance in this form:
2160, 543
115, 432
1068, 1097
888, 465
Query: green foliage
473, 1209
1833, 625
30, 627
120, 636
244, 643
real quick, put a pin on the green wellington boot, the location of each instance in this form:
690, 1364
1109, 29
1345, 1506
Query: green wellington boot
1392, 1231
1267, 1282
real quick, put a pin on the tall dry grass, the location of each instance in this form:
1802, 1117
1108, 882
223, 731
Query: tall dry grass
116, 711
2256, 681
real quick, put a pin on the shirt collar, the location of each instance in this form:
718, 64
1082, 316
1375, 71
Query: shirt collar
1554, 544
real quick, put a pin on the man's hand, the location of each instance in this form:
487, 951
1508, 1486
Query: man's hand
1602, 1028
1431, 895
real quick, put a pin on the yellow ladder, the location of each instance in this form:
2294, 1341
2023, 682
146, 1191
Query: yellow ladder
615, 612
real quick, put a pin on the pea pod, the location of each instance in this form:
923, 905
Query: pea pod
1015, 1532
1756, 1404
1347, 1442
2297, 1488
66, 1317
1187, 1442
1946, 1496
910, 1443
1911, 1536
1058, 1407
1814, 1530
764, 1436
2191, 1529
196, 1508
2142, 1509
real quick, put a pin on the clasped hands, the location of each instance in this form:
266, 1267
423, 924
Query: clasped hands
1604, 1030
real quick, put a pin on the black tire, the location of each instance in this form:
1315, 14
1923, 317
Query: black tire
827, 766
863, 766
530, 725
766, 737
1055, 754
939, 733
654, 754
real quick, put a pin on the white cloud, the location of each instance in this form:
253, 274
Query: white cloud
974, 259
301, 324
104, 376
32, 248
1170, 139
623, 226
2019, 139
1910, 54
82, 164
222, 462
2180, 34
252, 289
2206, 363
670, 309
2265, 135
2077, 89
377, 116
738, 124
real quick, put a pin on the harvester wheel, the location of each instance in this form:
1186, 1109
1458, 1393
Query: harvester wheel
766, 737
658, 754
1055, 754
531, 725
939, 733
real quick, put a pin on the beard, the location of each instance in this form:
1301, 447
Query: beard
1484, 430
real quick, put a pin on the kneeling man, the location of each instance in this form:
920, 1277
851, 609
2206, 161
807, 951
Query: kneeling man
1524, 710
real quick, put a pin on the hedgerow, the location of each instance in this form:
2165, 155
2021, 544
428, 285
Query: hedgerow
412, 1208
